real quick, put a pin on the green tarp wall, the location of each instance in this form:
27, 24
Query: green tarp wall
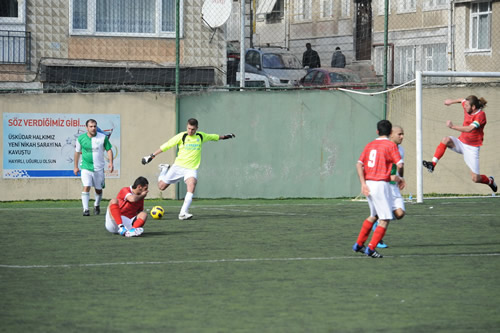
288, 144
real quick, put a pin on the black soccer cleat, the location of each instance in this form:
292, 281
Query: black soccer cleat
97, 210
429, 166
86, 212
373, 253
358, 248
493, 185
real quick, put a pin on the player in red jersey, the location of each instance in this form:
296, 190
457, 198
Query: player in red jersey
125, 214
469, 141
374, 171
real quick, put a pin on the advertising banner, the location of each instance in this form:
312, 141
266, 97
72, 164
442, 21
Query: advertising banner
41, 145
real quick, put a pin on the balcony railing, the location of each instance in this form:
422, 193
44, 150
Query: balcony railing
15, 47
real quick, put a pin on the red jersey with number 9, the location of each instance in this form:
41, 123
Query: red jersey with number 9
128, 208
378, 158
478, 120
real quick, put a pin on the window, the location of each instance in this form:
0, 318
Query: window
480, 26
435, 4
406, 6
319, 79
345, 8
148, 18
302, 10
405, 71
277, 13
309, 77
326, 8
434, 59
381, 7
12, 12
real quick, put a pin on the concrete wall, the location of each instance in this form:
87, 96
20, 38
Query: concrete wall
147, 120
288, 144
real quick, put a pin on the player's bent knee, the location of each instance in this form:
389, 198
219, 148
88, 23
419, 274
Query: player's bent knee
399, 214
143, 216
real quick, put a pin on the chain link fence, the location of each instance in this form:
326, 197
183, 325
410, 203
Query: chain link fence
191, 45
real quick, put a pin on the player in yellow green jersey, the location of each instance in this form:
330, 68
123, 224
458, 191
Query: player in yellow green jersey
186, 163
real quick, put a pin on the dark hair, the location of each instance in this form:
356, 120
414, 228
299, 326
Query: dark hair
193, 122
337, 48
90, 121
140, 181
479, 103
308, 45
384, 127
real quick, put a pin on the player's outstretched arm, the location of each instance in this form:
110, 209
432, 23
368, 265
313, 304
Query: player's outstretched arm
227, 136
146, 159
452, 101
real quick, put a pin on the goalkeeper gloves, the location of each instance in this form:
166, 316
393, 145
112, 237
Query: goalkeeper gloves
146, 159
228, 136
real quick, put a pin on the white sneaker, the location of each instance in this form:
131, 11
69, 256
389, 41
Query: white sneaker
185, 216
163, 166
134, 232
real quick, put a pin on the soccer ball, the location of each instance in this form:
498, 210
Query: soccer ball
157, 212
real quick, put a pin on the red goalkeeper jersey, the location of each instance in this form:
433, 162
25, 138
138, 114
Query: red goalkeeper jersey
127, 208
377, 159
476, 136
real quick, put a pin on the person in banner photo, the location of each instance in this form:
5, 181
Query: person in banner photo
91, 147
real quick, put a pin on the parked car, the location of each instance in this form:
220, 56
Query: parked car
253, 80
327, 78
280, 66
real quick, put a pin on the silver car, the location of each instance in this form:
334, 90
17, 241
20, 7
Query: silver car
281, 67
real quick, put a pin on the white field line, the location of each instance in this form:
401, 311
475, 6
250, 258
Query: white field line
251, 211
251, 260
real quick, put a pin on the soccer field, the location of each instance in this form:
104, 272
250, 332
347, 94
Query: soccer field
251, 266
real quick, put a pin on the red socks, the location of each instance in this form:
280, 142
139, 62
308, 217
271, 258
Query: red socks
377, 236
115, 212
441, 148
485, 180
138, 223
365, 232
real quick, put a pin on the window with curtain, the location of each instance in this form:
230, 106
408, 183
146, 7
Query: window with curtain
302, 10
123, 17
407, 6
480, 26
326, 8
435, 4
381, 7
405, 69
345, 8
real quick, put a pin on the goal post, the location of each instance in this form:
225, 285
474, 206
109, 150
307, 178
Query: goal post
418, 115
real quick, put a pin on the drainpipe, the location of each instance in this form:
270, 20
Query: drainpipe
450, 37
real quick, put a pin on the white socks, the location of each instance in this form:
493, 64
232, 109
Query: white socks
187, 202
98, 198
85, 200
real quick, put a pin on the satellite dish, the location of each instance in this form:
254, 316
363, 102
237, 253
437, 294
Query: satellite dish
216, 12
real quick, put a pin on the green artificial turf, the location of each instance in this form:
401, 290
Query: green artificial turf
251, 266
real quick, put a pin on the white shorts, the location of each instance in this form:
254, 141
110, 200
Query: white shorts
471, 154
398, 201
93, 179
176, 173
380, 199
111, 225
